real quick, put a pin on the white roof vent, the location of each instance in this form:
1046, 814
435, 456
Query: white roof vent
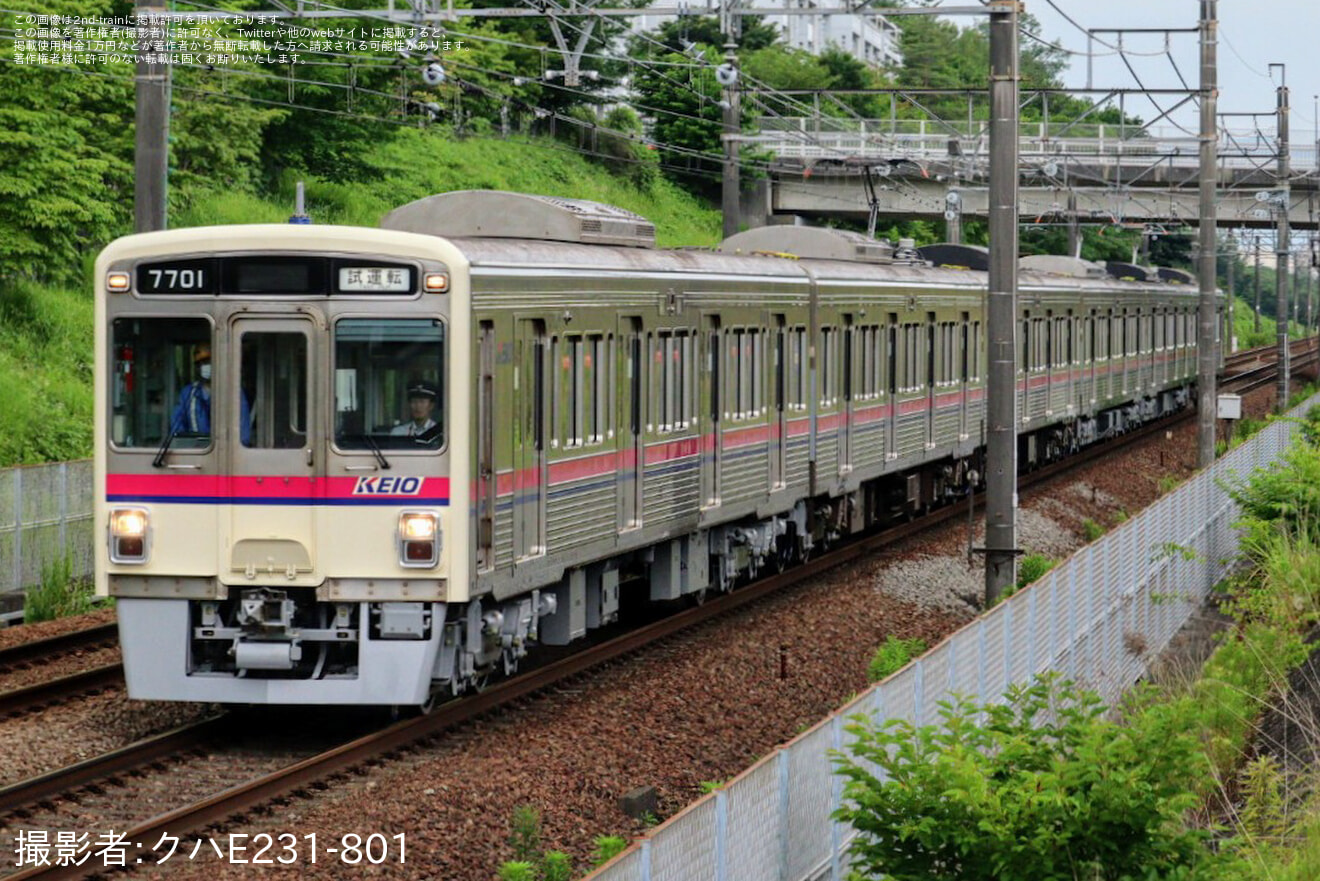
809, 241
497, 214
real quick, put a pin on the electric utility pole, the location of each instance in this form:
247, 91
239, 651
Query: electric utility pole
152, 153
1001, 404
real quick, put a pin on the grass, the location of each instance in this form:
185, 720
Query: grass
892, 656
1092, 530
45, 374
59, 595
419, 163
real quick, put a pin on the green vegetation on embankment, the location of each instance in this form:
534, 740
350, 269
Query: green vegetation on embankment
1191, 781
46, 329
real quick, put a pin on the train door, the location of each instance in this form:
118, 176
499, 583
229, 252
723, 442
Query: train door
846, 407
486, 486
630, 429
1124, 348
779, 432
965, 344
891, 379
1069, 327
931, 398
529, 484
1051, 328
711, 442
275, 450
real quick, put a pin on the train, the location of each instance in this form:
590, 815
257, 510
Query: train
499, 418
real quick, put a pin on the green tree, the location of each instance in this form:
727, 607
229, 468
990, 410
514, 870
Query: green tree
66, 142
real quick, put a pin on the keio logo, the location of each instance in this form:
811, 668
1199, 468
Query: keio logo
388, 486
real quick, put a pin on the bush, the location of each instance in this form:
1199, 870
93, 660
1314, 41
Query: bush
517, 870
556, 866
892, 655
607, 848
1041, 788
1287, 494
525, 834
1032, 567
1092, 530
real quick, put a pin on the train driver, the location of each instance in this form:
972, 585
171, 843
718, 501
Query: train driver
192, 415
422, 398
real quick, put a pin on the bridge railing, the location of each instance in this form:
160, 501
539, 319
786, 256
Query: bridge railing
924, 140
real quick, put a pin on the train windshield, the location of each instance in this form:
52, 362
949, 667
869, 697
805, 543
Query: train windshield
161, 381
389, 384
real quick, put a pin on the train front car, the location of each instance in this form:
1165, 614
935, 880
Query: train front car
275, 451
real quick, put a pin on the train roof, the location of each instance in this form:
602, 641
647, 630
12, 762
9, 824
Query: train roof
497, 230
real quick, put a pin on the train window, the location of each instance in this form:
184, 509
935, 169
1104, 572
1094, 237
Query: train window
797, 369
389, 383
746, 366
828, 369
949, 356
160, 379
868, 361
1024, 345
973, 354
912, 379
274, 376
675, 376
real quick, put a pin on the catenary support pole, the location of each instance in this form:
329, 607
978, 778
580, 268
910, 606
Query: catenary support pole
1257, 283
730, 185
1207, 317
1001, 404
152, 114
1231, 287
1281, 243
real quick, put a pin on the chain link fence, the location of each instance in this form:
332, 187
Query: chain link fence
45, 514
1100, 619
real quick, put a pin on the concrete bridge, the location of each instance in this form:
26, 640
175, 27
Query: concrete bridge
1089, 174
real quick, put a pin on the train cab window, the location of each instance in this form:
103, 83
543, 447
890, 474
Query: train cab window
161, 379
389, 384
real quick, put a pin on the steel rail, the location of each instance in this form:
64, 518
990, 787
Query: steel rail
128, 758
20, 700
26, 652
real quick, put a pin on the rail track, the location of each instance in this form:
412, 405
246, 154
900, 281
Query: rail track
46, 652
1254, 368
40, 651
175, 748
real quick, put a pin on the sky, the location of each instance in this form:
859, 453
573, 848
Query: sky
1253, 34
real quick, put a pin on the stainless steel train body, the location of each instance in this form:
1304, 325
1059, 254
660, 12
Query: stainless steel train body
605, 415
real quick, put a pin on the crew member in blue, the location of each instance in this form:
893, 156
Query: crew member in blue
422, 397
192, 415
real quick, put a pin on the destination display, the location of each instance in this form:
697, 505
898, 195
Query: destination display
274, 275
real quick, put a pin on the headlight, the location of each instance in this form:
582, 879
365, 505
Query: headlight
419, 539
130, 535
